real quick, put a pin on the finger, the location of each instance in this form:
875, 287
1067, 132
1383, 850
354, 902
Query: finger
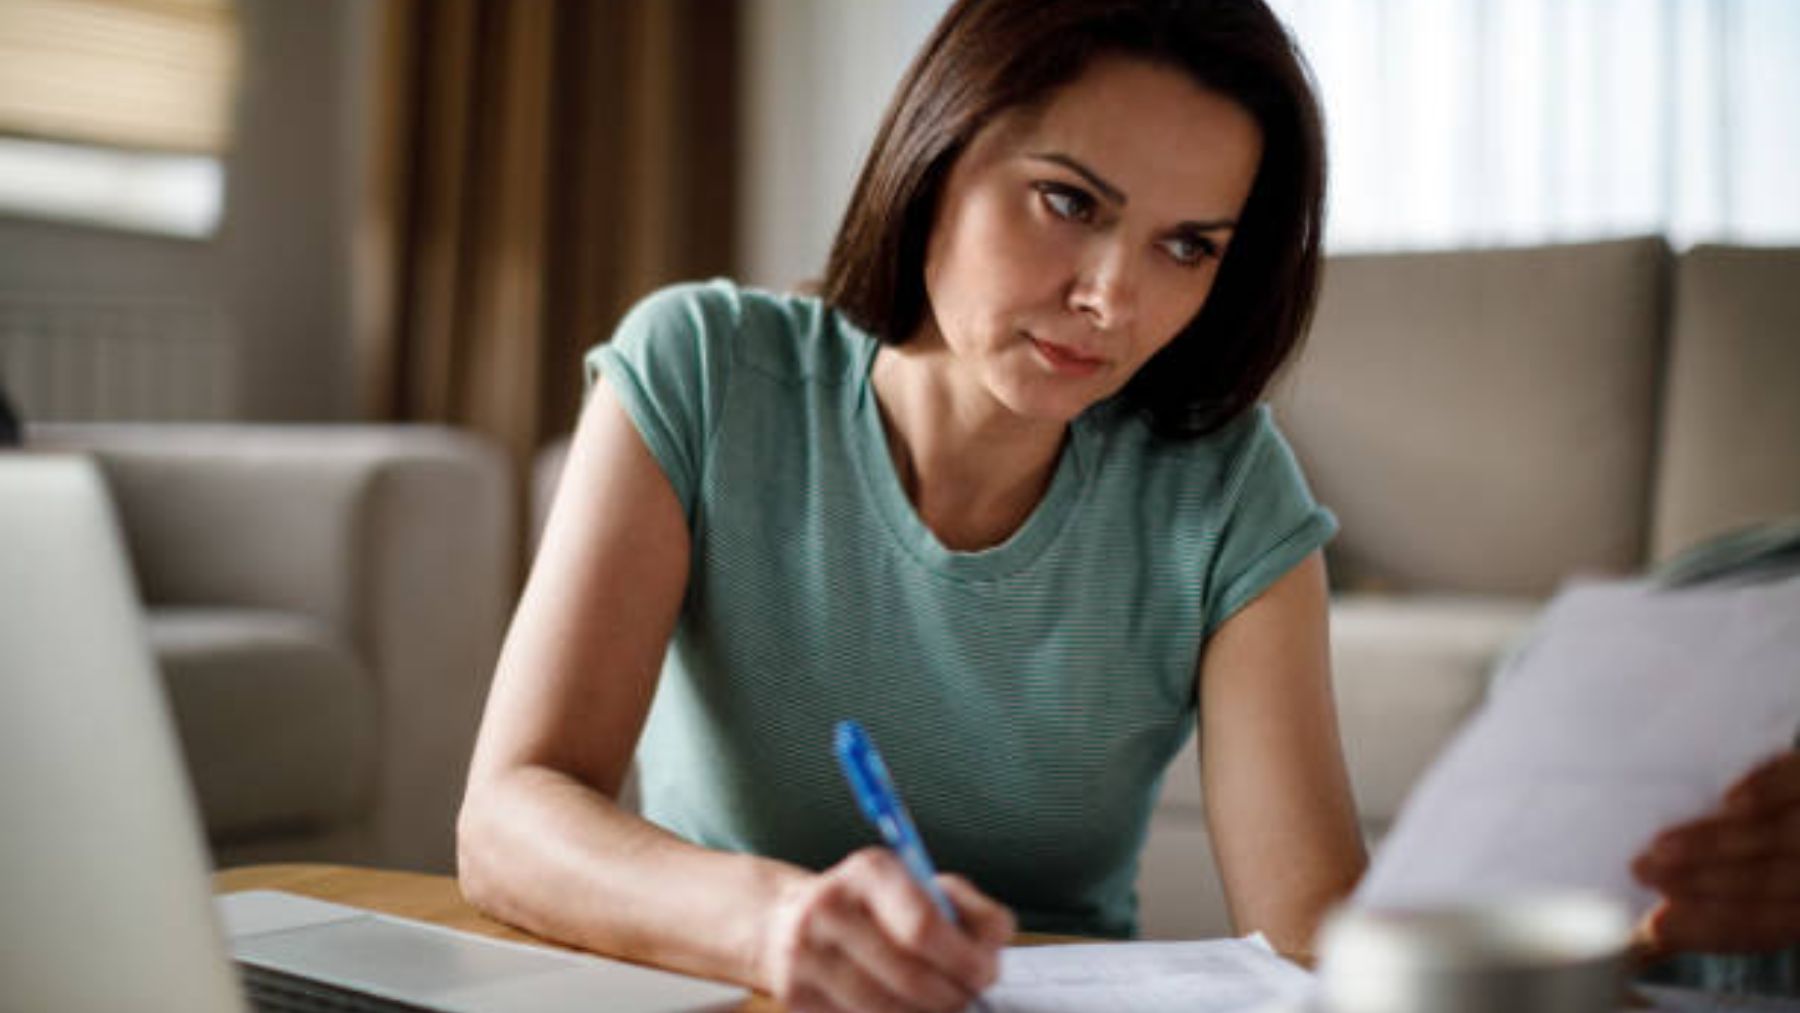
1680, 926
1773, 881
832, 978
1723, 839
1713, 839
851, 928
1772, 784
909, 918
1645, 948
810, 998
988, 920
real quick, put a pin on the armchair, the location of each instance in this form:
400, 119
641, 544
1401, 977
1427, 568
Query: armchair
326, 604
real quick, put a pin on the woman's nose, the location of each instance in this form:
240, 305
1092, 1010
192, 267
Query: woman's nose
1105, 289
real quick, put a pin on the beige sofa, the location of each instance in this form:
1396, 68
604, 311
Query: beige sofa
326, 605
1487, 424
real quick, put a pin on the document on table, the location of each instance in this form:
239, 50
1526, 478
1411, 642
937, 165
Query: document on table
1632, 708
1208, 976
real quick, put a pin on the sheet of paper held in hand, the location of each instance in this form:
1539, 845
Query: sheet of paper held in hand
1211, 976
1631, 708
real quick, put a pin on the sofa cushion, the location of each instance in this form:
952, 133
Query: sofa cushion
276, 716
1483, 421
1180, 894
1731, 426
1407, 672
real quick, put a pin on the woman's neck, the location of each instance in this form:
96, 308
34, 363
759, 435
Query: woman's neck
973, 470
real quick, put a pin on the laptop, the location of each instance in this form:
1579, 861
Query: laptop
105, 892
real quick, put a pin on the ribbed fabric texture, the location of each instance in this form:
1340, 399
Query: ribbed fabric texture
1027, 697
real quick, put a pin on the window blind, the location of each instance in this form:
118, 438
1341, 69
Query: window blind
151, 75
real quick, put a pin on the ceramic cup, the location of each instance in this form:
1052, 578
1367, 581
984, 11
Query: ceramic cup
1547, 953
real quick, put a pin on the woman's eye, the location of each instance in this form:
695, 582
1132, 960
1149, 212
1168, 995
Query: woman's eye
1066, 202
1189, 251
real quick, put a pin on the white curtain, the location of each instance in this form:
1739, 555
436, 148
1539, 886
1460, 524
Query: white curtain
1457, 123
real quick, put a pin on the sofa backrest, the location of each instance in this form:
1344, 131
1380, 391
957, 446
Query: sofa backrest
1483, 421
1730, 443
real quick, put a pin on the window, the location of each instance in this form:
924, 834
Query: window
117, 112
1487, 122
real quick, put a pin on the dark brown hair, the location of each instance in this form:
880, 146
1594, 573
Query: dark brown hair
988, 56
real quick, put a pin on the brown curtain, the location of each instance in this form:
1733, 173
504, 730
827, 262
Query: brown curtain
541, 164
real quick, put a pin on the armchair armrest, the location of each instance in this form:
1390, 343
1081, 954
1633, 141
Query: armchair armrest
401, 538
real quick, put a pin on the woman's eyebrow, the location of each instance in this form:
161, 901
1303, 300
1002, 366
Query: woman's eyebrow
1116, 195
1074, 165
1210, 225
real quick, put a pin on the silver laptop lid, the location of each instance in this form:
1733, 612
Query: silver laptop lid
104, 893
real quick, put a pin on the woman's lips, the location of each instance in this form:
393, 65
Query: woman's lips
1066, 361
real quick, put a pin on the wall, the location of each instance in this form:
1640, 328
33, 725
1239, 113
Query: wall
279, 266
285, 245
818, 74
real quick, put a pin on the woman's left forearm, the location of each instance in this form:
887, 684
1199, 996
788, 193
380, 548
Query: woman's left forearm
1279, 805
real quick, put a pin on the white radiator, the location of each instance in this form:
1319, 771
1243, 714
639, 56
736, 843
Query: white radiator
70, 360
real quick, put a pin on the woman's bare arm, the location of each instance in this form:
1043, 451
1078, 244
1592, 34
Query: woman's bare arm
542, 844
1278, 800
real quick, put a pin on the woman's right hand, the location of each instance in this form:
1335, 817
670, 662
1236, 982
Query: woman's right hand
862, 937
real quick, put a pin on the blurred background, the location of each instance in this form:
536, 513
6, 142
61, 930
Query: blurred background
284, 210
1557, 333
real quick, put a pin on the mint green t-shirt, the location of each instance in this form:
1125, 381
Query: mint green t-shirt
1027, 697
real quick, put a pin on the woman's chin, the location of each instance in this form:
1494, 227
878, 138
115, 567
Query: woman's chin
1059, 403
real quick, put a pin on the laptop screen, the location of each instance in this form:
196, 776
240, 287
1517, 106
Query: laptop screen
105, 897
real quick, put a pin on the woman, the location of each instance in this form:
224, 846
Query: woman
1004, 494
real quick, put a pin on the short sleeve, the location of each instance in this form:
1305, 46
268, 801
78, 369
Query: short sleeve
668, 363
1269, 520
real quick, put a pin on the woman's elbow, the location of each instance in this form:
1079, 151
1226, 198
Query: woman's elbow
480, 860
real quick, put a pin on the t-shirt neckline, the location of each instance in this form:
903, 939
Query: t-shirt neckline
868, 438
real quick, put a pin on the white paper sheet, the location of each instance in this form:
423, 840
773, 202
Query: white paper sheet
1209, 976
1632, 709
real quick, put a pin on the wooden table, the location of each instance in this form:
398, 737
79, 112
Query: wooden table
426, 898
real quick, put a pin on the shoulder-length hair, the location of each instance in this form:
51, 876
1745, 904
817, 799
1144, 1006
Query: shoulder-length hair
988, 56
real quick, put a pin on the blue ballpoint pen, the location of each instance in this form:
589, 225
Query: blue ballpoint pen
880, 802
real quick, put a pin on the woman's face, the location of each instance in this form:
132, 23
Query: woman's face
1073, 241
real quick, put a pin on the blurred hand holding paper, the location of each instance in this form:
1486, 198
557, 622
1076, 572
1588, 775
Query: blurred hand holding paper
1633, 708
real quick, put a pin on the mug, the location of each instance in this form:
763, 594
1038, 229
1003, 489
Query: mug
1559, 952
